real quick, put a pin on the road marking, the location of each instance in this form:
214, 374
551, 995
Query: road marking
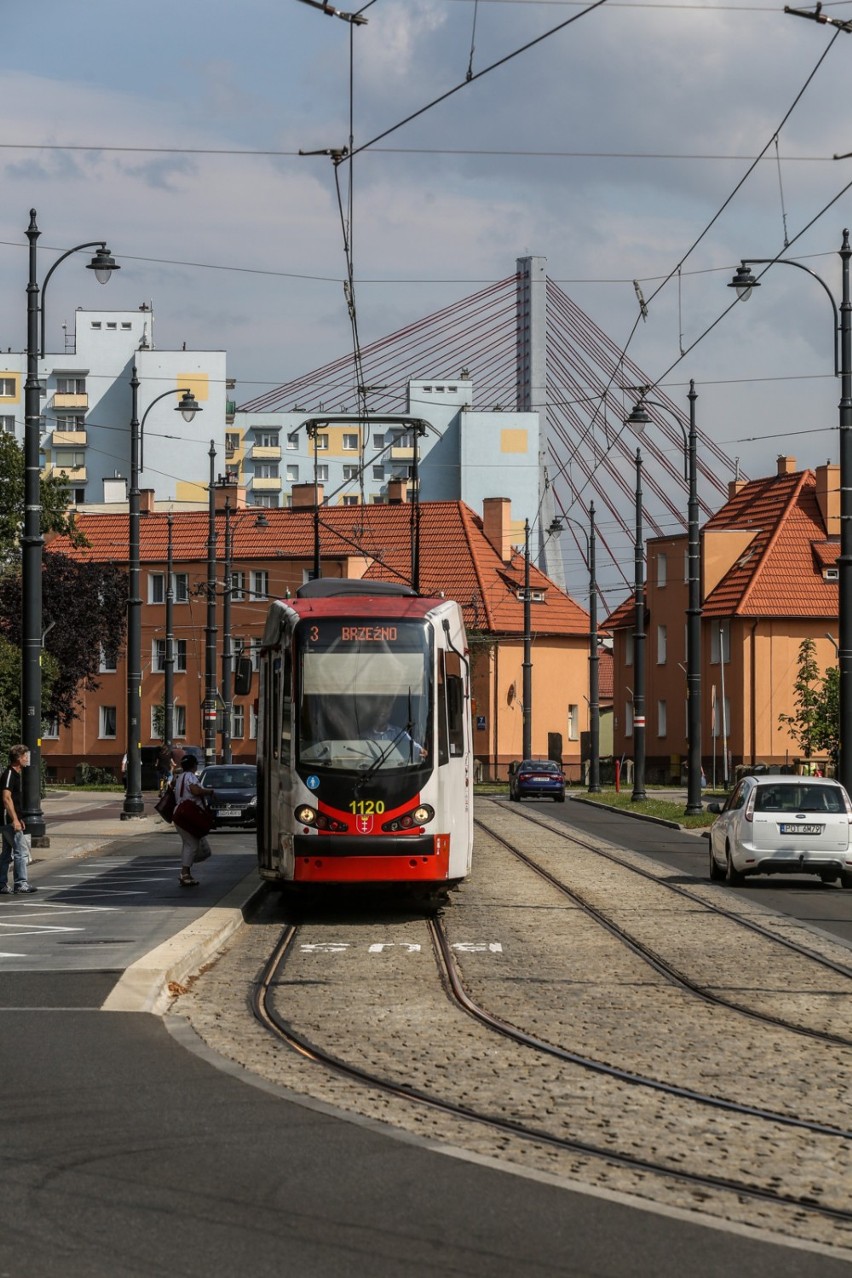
390, 945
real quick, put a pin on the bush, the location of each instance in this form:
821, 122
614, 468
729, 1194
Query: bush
86, 774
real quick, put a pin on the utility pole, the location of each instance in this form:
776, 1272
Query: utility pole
527, 666
639, 647
169, 663
227, 656
210, 713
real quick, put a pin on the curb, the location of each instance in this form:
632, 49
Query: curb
144, 986
636, 816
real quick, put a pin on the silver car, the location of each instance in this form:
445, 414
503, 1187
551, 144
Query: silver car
783, 825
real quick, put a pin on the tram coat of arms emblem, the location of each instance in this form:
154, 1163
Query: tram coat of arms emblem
364, 824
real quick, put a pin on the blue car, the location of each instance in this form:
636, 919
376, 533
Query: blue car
536, 779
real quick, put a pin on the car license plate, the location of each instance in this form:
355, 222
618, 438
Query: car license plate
223, 812
787, 828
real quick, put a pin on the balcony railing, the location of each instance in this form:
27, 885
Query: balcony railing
65, 400
69, 439
266, 452
266, 485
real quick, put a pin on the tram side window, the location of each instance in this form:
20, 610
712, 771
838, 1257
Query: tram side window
286, 707
450, 708
276, 706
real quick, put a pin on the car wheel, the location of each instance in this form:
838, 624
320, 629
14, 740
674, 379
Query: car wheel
717, 874
560, 798
733, 876
827, 876
846, 879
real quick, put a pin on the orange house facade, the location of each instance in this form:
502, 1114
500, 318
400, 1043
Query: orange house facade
462, 556
768, 582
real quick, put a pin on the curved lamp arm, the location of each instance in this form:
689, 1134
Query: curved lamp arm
744, 282
188, 407
103, 264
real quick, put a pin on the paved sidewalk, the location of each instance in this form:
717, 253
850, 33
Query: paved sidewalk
79, 824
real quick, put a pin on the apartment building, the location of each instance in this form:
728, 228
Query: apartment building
86, 407
768, 581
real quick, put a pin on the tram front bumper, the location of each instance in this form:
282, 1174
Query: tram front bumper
358, 858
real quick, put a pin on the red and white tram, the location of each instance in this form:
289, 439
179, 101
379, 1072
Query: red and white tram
364, 738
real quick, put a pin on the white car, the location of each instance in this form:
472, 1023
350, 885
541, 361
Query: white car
783, 825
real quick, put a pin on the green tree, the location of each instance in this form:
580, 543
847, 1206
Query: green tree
816, 724
55, 516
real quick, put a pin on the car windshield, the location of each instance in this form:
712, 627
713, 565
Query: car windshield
540, 766
236, 777
800, 797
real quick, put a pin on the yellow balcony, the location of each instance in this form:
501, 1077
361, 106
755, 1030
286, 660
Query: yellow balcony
266, 485
398, 453
74, 474
64, 400
266, 452
69, 439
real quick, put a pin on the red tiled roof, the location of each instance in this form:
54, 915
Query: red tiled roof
606, 682
780, 573
624, 615
455, 556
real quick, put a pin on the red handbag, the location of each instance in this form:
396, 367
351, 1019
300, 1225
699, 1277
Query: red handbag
194, 820
166, 804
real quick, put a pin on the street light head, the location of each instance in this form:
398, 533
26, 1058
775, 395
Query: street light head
638, 418
744, 282
188, 406
103, 264
261, 521
554, 527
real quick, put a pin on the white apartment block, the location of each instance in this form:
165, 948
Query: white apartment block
464, 455
86, 408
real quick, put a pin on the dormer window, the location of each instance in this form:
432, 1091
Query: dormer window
536, 596
831, 574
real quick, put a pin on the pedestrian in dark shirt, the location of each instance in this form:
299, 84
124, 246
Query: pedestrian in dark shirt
14, 844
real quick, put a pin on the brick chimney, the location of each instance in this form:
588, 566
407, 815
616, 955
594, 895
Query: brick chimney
497, 525
306, 495
234, 493
735, 486
397, 492
828, 497
786, 465
146, 501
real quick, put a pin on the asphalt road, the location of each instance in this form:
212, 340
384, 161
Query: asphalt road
125, 1153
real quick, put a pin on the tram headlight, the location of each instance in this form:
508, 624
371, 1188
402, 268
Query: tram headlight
306, 815
417, 816
423, 814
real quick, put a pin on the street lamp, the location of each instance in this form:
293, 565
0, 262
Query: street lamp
744, 282
210, 712
526, 668
639, 647
133, 803
639, 418
594, 786
32, 542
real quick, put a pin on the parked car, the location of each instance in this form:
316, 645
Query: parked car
536, 779
197, 752
234, 799
782, 825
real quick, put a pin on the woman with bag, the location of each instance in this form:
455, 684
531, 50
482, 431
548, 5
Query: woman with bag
191, 819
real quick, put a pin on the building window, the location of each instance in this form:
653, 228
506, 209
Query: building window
238, 586
378, 441
350, 443
158, 722
378, 472
156, 588
321, 442
232, 443
720, 642
260, 584
238, 722
69, 458
322, 474
107, 721
51, 730
266, 439
158, 655
350, 472
720, 716
108, 661
662, 569
661, 645
350, 501
268, 500
573, 723
7, 425
181, 587
266, 470
7, 387
293, 474
293, 440
70, 385
661, 719
628, 718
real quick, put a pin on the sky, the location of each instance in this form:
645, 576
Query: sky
612, 147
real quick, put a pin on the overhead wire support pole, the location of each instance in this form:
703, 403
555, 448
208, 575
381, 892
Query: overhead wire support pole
210, 628
817, 15
639, 648
526, 683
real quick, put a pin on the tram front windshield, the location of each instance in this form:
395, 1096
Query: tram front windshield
364, 694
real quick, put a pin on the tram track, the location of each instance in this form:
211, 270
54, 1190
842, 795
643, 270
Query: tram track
652, 956
700, 1182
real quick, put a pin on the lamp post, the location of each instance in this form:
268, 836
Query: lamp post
313, 433
526, 683
419, 428
210, 713
227, 656
639, 647
134, 805
169, 663
32, 542
639, 418
594, 786
744, 282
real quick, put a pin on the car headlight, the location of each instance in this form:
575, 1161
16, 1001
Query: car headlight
252, 803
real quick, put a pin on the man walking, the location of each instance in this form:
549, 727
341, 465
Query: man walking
14, 843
